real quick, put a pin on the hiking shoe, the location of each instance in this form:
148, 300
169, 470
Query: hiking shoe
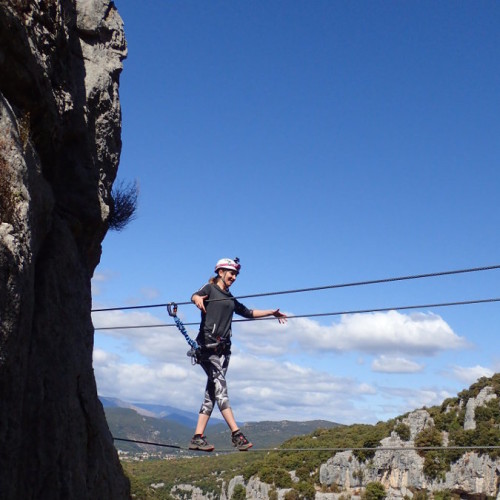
240, 441
200, 443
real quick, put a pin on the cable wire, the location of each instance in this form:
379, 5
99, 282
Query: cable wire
317, 315
317, 288
334, 449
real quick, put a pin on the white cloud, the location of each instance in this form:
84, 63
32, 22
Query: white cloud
394, 364
258, 388
411, 399
163, 383
150, 365
469, 375
387, 332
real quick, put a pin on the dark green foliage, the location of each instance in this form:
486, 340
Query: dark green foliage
305, 490
420, 495
282, 478
303, 473
476, 388
428, 437
403, 431
445, 495
364, 455
250, 470
374, 491
275, 475
273, 468
489, 413
435, 462
204, 472
239, 493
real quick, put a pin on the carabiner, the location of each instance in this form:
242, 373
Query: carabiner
172, 306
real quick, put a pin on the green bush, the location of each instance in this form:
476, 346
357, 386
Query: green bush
282, 479
403, 431
306, 490
428, 437
277, 476
420, 495
292, 495
239, 492
364, 455
303, 473
435, 464
374, 491
250, 470
445, 495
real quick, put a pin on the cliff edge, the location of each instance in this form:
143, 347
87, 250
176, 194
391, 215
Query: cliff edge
60, 127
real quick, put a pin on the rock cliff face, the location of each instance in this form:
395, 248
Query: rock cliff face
402, 473
60, 120
397, 465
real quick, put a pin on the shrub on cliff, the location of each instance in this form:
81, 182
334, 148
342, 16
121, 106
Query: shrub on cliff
124, 205
374, 491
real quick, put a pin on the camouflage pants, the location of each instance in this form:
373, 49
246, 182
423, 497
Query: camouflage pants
215, 367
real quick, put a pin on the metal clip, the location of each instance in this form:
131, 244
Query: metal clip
172, 309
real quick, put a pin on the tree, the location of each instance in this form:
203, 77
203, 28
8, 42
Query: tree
374, 491
239, 492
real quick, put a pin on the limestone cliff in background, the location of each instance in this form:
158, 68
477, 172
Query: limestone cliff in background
60, 126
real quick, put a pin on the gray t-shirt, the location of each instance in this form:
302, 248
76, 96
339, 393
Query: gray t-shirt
216, 322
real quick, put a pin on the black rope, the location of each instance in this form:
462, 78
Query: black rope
317, 315
325, 287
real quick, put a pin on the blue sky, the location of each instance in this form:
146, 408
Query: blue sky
321, 142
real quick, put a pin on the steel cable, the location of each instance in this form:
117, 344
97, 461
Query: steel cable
317, 315
317, 288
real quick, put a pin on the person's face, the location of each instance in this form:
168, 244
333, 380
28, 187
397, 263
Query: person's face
228, 277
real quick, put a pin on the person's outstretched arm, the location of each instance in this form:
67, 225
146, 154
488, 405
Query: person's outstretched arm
262, 313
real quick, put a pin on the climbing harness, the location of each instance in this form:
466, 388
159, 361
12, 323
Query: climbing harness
195, 352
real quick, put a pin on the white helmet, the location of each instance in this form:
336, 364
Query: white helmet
229, 264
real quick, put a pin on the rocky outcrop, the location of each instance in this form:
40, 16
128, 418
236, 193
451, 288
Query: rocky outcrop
486, 394
402, 463
59, 151
402, 472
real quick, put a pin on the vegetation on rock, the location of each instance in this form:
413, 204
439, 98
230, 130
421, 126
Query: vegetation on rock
274, 468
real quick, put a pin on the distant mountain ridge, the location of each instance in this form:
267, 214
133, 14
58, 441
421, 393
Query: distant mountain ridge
168, 425
157, 411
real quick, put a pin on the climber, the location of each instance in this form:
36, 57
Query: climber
217, 306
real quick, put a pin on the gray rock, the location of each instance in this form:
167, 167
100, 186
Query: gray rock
182, 491
60, 125
232, 484
417, 421
401, 472
486, 394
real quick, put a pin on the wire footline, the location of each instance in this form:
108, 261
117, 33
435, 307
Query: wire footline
322, 449
384, 448
147, 442
317, 315
318, 288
